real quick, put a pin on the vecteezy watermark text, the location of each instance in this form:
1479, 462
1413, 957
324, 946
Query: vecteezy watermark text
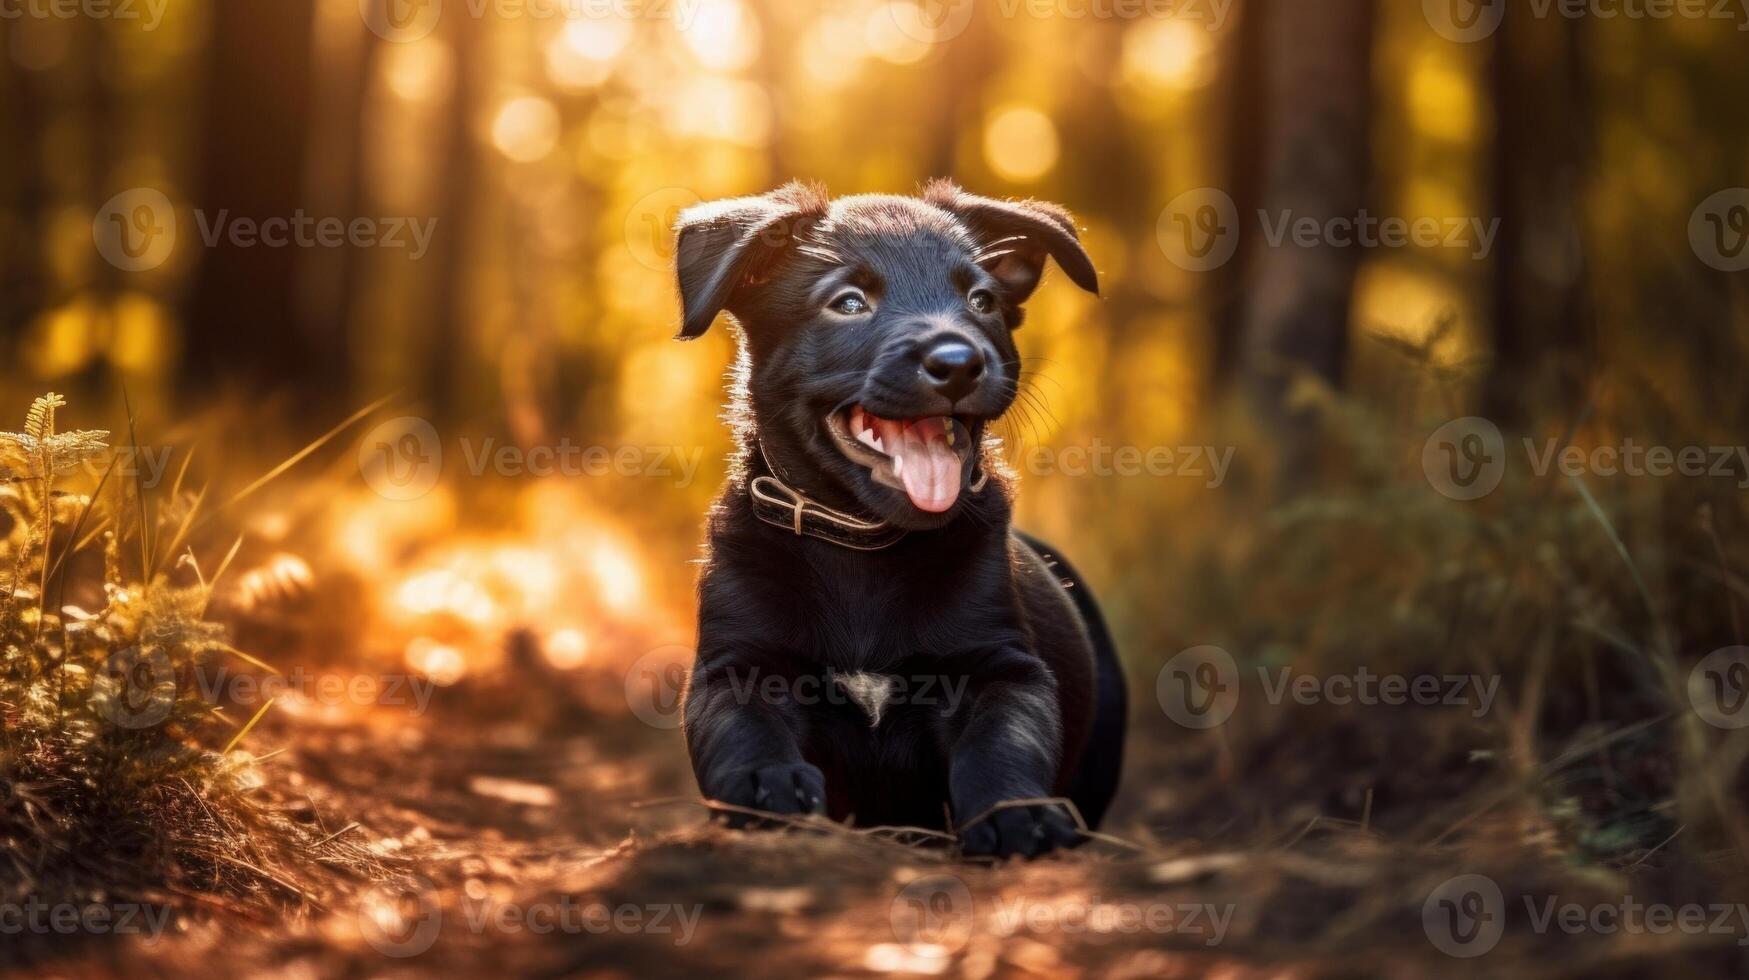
1210, 464
1200, 688
402, 459
569, 459
404, 917
149, 13
1466, 459
1200, 231
38, 918
403, 21
138, 688
1469, 21
937, 915
1466, 917
136, 230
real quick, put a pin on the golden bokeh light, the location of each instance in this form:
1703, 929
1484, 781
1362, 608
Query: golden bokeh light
526, 128
891, 42
722, 35
1442, 100
733, 112
833, 49
1020, 143
567, 648
422, 72
1172, 54
441, 663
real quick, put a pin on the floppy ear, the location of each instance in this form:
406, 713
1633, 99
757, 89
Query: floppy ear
1016, 236
724, 244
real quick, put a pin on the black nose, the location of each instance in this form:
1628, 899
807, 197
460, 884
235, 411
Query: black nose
953, 367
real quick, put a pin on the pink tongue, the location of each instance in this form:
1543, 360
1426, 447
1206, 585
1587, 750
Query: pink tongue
930, 468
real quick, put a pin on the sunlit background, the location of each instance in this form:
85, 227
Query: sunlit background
554, 153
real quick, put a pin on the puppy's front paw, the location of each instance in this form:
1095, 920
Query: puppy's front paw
1027, 831
788, 788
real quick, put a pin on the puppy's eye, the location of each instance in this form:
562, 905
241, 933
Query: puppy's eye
850, 304
981, 301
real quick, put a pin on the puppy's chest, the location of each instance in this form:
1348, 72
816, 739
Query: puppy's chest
874, 621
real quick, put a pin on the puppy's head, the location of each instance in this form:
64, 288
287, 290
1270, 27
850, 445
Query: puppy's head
875, 330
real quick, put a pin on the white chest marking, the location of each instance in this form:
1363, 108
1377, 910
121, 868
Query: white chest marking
871, 692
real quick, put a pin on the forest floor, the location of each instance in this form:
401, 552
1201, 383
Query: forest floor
524, 831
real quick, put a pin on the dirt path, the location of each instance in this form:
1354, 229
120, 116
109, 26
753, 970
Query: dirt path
542, 838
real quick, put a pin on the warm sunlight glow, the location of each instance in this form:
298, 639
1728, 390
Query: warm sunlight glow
567, 648
440, 662
445, 592
833, 49
581, 55
1020, 143
598, 38
887, 40
1442, 102
722, 35
420, 72
1168, 53
616, 574
526, 129
735, 112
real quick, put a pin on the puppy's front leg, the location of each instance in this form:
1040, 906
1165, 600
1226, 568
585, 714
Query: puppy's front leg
743, 741
1009, 748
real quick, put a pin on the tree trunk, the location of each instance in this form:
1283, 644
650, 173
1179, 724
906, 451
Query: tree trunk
244, 331
1316, 162
1543, 320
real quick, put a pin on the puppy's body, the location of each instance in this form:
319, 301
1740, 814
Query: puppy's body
923, 679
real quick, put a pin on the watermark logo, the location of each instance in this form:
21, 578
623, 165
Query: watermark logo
933, 915
1465, 916
401, 459
649, 226
1469, 21
932, 21
1719, 230
655, 683
40, 918
1199, 688
137, 688
401, 917
135, 231
1199, 229
1464, 21
572, 460
401, 21
149, 13
1718, 687
1465, 459
1363, 687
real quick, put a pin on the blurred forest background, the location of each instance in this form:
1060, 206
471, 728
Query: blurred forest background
554, 152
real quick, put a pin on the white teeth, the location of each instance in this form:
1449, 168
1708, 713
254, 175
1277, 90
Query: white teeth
898, 465
869, 439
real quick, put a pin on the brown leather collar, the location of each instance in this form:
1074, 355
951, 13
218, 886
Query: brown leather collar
781, 505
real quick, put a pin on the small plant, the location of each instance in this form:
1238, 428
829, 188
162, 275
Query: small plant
118, 781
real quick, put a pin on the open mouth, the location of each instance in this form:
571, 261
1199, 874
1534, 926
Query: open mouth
925, 456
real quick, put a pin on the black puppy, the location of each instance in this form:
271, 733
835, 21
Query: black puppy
874, 642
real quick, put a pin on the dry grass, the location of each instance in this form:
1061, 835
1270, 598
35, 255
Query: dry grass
119, 782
